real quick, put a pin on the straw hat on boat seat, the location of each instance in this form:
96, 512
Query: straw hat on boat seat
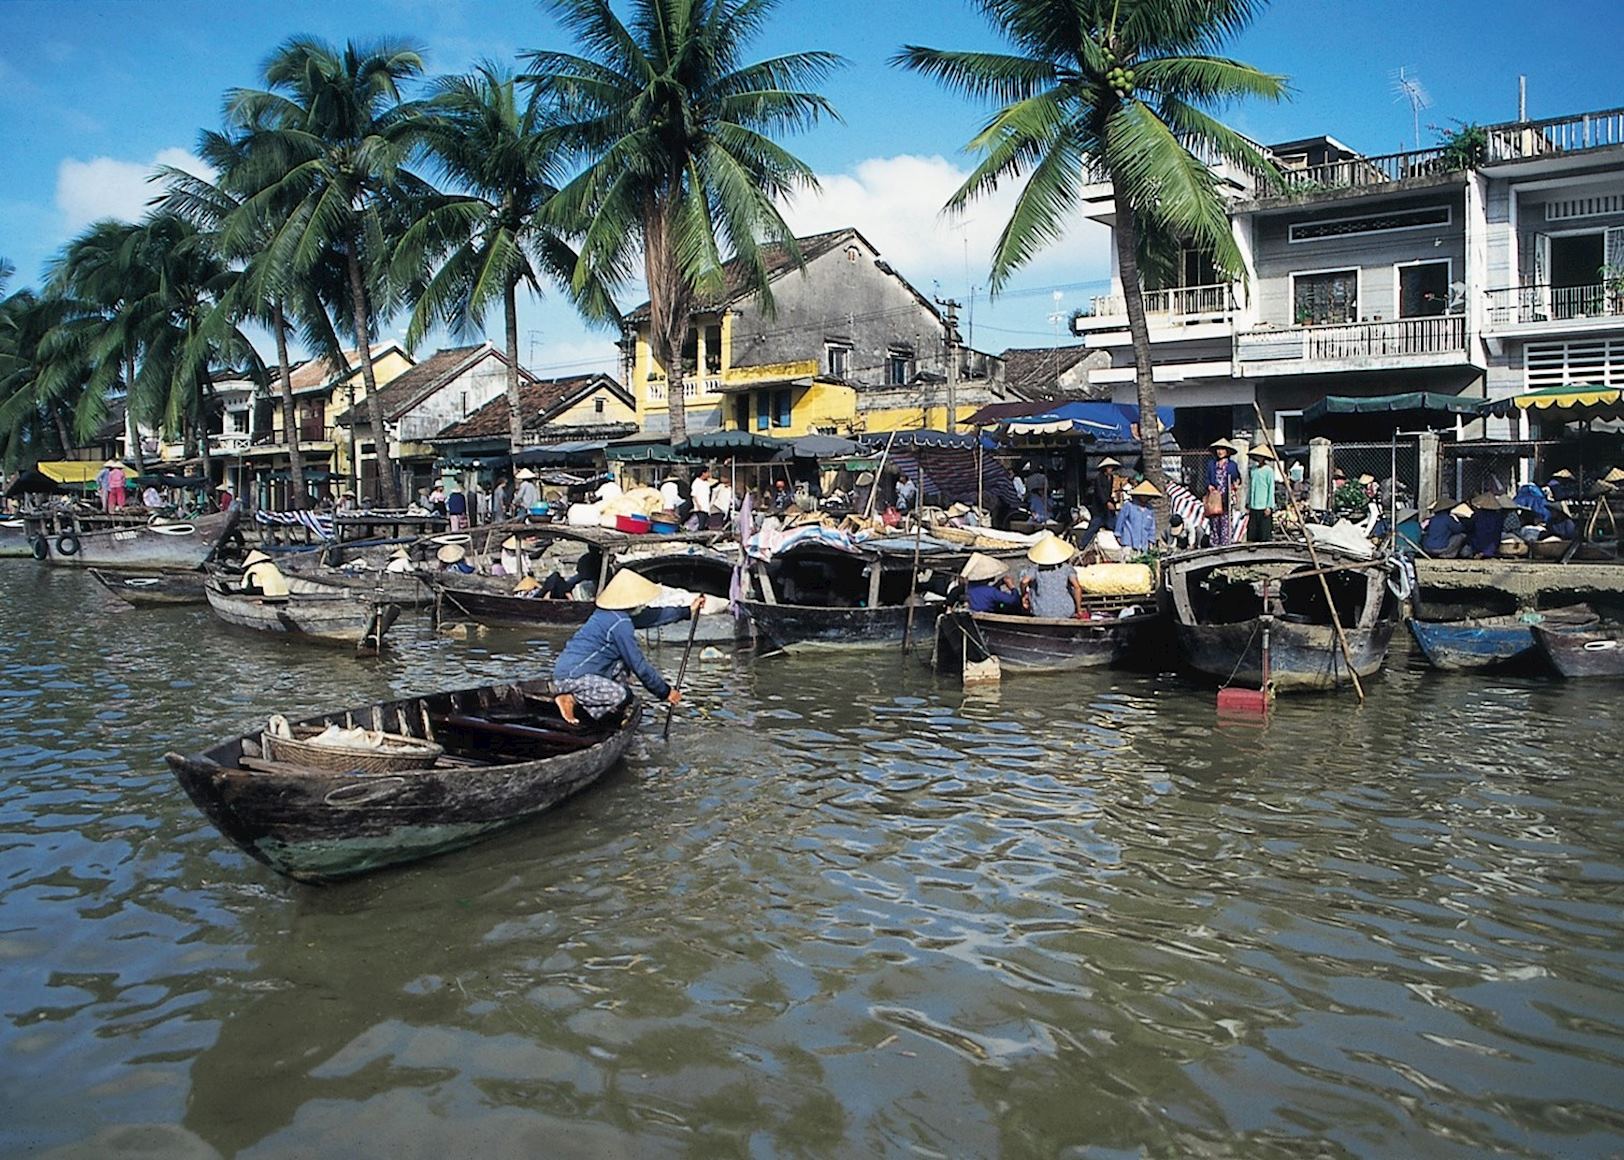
981, 566
1050, 549
1146, 488
450, 553
525, 584
627, 590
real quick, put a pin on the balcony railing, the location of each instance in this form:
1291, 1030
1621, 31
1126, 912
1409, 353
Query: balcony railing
691, 389
308, 433
1516, 140
229, 442
1355, 341
1382, 169
1180, 302
1511, 305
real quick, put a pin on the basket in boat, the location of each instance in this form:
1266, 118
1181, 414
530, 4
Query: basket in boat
398, 752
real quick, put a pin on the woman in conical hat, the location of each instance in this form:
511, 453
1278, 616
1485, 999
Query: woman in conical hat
1052, 591
591, 671
1135, 523
988, 586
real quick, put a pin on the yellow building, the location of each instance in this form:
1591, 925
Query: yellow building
848, 347
322, 392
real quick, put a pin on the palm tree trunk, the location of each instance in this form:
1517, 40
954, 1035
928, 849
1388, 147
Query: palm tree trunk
388, 490
132, 433
510, 317
290, 426
205, 391
667, 314
1150, 432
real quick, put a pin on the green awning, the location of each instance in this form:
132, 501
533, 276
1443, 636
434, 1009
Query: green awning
1425, 402
646, 453
713, 441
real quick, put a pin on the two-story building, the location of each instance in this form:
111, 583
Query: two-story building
850, 346
574, 409
321, 392
1433, 270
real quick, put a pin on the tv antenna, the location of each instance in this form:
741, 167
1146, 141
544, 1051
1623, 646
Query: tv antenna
1408, 90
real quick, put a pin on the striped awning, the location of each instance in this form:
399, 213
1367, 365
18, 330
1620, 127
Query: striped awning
1567, 403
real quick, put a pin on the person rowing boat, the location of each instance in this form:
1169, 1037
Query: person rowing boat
592, 669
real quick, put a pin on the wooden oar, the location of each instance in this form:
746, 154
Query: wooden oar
682, 670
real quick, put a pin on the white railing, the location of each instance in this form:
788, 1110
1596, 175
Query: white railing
1514, 140
1510, 305
1351, 341
691, 389
231, 442
1179, 302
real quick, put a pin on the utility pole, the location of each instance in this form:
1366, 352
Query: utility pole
951, 311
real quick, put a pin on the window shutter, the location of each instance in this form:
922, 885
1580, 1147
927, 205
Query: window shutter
1613, 250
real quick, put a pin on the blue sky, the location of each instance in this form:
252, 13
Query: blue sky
93, 92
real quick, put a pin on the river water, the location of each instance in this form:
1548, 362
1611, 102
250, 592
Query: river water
848, 910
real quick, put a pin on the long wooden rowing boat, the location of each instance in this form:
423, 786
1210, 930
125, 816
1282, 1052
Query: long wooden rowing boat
1040, 644
507, 757
172, 546
1488, 642
1577, 651
309, 611
798, 625
156, 588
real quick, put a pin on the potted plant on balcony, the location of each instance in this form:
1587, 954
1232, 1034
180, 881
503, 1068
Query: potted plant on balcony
1612, 280
1466, 146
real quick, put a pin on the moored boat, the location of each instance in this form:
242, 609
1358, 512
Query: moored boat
505, 756
155, 588
1039, 644
156, 546
1577, 651
1488, 642
308, 611
1217, 601
15, 539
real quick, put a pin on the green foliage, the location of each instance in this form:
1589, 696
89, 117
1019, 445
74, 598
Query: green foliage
1466, 146
676, 133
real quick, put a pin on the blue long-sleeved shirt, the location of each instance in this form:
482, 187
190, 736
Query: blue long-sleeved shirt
985, 597
1486, 529
606, 646
1135, 527
1441, 528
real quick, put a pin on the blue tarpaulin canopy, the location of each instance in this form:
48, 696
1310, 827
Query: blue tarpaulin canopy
1103, 422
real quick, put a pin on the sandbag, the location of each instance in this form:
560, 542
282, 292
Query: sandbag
1114, 579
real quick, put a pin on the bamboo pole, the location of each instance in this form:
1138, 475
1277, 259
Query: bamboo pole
1313, 556
913, 591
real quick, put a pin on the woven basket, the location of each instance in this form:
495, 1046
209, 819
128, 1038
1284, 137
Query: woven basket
403, 753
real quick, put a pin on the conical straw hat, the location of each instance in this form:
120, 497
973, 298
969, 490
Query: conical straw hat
1144, 487
1261, 451
1616, 475
981, 566
254, 557
450, 553
627, 590
1050, 549
268, 578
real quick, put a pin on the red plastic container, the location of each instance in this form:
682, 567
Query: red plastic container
636, 525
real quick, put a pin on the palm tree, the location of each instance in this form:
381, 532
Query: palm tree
330, 136
490, 240
42, 376
1119, 89
677, 135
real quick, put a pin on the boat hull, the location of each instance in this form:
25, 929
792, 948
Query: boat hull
322, 826
333, 616
15, 540
1581, 652
1036, 644
151, 590
1302, 657
802, 625
178, 547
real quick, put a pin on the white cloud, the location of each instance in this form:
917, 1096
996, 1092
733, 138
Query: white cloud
897, 203
105, 187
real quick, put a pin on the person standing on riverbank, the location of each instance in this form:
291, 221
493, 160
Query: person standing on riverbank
1223, 480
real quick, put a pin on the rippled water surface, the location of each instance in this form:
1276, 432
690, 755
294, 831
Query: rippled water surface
848, 910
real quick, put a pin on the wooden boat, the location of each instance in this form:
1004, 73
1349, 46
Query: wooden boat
1040, 644
309, 611
1488, 642
1576, 651
157, 588
1216, 600
820, 593
362, 567
174, 546
507, 757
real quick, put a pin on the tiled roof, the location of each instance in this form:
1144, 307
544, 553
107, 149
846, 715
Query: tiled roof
1035, 371
319, 372
539, 400
402, 393
776, 259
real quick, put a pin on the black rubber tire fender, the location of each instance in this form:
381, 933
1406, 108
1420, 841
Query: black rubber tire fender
67, 544
41, 548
